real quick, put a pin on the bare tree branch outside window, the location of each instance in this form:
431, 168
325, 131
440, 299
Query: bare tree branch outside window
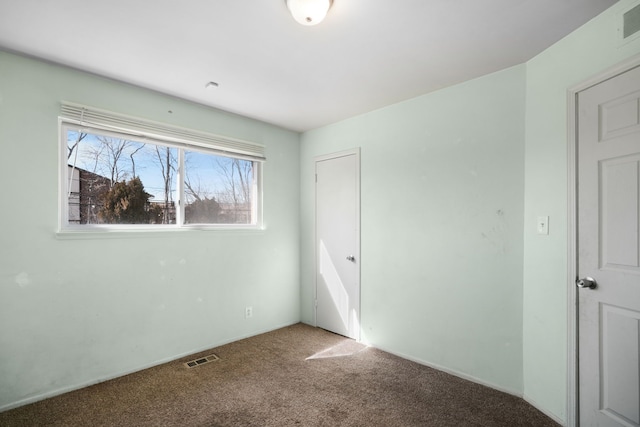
217, 189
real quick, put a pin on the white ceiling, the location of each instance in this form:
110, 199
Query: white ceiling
365, 55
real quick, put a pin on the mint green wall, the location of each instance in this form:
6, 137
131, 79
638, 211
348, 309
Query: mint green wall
73, 312
449, 182
584, 53
441, 208
428, 227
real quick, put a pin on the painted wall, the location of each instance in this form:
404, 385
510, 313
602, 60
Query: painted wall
449, 182
75, 311
584, 53
441, 208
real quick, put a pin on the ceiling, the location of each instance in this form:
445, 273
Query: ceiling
365, 55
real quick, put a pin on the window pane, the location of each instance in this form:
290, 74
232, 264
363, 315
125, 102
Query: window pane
218, 190
118, 181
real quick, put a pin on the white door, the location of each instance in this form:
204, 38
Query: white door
609, 252
337, 244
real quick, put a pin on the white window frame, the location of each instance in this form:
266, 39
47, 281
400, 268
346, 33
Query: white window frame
76, 117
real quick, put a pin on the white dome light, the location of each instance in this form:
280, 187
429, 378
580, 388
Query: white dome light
308, 12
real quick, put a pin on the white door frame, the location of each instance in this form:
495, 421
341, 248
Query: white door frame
356, 152
572, 219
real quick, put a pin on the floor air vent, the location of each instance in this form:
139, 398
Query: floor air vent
201, 361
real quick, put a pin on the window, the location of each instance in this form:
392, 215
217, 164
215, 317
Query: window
127, 173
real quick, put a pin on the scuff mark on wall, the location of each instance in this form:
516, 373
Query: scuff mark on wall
23, 280
497, 235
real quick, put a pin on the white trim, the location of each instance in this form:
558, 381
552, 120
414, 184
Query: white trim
541, 409
356, 152
162, 361
572, 336
153, 231
73, 231
338, 154
180, 193
572, 236
450, 371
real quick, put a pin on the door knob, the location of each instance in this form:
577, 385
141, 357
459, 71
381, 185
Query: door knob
351, 258
587, 282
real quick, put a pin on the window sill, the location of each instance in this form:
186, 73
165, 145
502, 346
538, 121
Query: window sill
81, 233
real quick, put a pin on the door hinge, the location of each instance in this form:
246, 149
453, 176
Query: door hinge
316, 178
315, 303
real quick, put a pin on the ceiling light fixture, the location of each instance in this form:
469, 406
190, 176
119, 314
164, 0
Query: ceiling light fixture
308, 12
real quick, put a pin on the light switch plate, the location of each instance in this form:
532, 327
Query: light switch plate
543, 225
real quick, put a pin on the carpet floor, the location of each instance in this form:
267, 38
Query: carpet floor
294, 376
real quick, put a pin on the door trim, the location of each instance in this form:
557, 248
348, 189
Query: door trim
356, 152
572, 230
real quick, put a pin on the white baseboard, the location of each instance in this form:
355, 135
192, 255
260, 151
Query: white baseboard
453, 372
478, 381
547, 413
57, 392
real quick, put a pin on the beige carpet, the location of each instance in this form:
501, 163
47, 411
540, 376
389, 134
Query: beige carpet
295, 376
